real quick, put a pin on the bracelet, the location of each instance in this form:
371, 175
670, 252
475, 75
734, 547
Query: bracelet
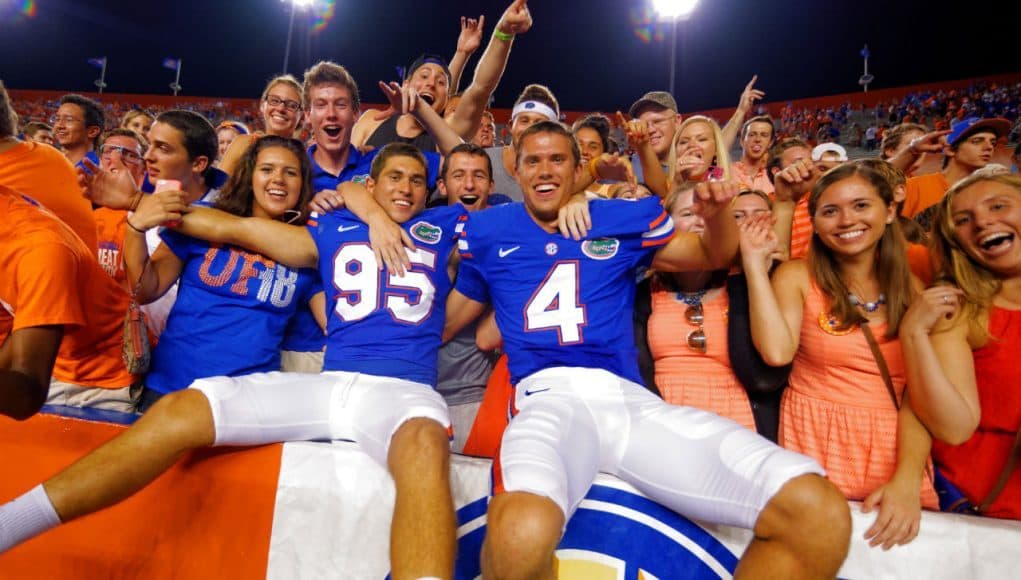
127, 221
592, 169
499, 35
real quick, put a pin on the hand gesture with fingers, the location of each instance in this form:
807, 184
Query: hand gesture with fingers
758, 242
516, 19
712, 197
749, 96
115, 190
614, 167
326, 201
471, 34
931, 142
636, 131
794, 181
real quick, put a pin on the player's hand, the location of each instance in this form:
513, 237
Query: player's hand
388, 241
793, 182
471, 34
516, 19
929, 307
163, 208
115, 190
574, 219
749, 96
758, 243
712, 197
326, 201
900, 513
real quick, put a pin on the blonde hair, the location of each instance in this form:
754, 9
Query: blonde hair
722, 156
956, 266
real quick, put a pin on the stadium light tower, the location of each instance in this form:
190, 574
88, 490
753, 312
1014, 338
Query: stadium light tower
295, 5
673, 10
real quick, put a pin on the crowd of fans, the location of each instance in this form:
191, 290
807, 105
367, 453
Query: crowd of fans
861, 313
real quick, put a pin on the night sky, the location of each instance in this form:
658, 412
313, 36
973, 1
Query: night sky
590, 52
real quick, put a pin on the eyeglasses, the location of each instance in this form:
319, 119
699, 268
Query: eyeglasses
127, 155
292, 106
696, 338
65, 119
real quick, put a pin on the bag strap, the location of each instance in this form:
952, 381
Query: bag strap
1001, 483
880, 362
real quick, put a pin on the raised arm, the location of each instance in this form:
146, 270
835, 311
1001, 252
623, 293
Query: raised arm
155, 274
931, 142
775, 307
289, 245
467, 43
466, 117
717, 246
939, 365
637, 133
732, 129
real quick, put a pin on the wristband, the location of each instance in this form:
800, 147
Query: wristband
592, 169
499, 35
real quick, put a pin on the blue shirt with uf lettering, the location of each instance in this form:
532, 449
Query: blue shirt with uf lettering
231, 310
379, 323
561, 302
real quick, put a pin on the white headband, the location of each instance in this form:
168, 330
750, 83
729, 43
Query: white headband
534, 107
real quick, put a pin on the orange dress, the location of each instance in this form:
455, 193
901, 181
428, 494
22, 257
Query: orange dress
837, 408
688, 377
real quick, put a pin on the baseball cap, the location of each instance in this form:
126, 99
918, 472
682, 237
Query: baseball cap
658, 99
973, 125
823, 148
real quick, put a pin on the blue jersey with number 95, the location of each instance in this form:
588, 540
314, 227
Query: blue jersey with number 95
379, 323
561, 302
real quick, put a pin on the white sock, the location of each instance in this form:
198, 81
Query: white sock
26, 517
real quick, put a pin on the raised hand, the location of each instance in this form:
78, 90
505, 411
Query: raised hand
115, 190
931, 306
712, 197
159, 208
931, 142
794, 181
689, 161
636, 131
750, 95
758, 242
471, 34
614, 167
516, 19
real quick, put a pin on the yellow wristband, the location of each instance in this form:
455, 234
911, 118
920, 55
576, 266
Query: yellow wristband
502, 35
592, 169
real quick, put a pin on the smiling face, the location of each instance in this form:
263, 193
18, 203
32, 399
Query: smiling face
281, 110
331, 116
546, 172
851, 217
697, 139
686, 220
467, 181
662, 129
276, 182
430, 81
986, 221
69, 127
401, 187
590, 143
224, 137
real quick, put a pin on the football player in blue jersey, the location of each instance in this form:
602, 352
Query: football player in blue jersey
384, 334
564, 310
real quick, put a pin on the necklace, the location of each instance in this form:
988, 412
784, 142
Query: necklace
693, 299
868, 307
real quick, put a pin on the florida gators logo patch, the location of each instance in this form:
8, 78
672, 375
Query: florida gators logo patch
600, 249
427, 233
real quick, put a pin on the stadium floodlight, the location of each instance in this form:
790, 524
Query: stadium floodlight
295, 5
674, 9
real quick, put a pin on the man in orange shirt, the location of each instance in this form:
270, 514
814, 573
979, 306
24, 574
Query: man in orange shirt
122, 150
44, 174
54, 293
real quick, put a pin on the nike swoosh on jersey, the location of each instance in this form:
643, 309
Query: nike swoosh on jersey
343, 229
506, 252
529, 393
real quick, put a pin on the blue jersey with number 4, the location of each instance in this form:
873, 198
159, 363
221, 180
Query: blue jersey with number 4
561, 302
379, 323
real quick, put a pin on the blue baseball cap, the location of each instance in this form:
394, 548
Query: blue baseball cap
964, 128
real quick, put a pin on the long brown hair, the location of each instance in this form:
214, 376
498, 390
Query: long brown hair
891, 265
238, 197
957, 267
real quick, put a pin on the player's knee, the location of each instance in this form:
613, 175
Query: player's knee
528, 522
807, 505
420, 444
184, 417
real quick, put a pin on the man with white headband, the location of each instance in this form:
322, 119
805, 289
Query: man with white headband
535, 104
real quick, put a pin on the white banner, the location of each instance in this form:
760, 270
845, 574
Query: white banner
333, 508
